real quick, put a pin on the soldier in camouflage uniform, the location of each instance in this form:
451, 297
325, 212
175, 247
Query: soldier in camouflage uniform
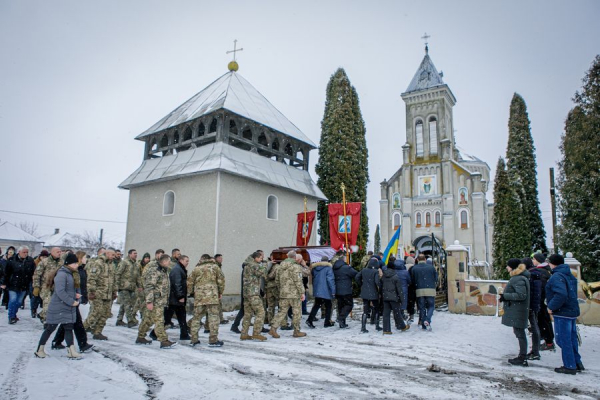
44, 269
141, 302
206, 283
291, 294
157, 288
271, 290
254, 271
365, 259
129, 284
102, 291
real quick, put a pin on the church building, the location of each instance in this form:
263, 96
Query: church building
225, 172
439, 189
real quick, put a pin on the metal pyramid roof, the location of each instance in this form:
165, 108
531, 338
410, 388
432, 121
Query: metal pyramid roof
426, 76
234, 93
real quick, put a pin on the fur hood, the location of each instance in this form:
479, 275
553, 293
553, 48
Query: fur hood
320, 264
520, 269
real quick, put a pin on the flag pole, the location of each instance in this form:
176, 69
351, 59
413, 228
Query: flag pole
345, 227
304, 234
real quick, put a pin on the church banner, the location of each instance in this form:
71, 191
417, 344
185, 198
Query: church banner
305, 227
338, 227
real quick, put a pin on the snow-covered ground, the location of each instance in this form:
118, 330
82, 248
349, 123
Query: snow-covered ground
327, 364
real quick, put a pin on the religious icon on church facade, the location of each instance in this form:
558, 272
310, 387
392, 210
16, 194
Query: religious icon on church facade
463, 196
396, 200
427, 185
344, 228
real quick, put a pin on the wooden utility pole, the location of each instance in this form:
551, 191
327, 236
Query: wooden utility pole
101, 234
553, 202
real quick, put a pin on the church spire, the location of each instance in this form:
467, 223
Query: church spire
425, 37
233, 66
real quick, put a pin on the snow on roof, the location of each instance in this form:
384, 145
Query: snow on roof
234, 93
223, 157
426, 76
9, 231
57, 239
467, 157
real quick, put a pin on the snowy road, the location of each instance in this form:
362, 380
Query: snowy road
327, 364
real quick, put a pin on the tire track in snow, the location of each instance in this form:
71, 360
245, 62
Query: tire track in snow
13, 387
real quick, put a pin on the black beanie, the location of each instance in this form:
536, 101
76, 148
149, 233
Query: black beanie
513, 263
556, 259
539, 257
71, 259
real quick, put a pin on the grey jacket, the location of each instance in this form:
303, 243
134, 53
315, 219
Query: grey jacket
61, 310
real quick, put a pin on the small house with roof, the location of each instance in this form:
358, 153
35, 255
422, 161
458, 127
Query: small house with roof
11, 235
225, 172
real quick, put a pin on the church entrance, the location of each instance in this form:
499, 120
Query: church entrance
427, 245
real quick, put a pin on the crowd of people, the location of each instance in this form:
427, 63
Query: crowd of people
272, 293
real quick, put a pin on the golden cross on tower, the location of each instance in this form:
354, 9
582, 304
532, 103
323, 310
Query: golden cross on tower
233, 65
425, 37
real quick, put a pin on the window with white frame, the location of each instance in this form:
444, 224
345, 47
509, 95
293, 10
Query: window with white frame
169, 203
419, 137
438, 218
396, 220
433, 137
464, 218
272, 207
418, 219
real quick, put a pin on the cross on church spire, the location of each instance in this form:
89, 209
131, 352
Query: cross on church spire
425, 38
233, 65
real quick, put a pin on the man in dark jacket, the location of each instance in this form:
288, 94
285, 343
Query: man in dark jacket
17, 275
535, 287
178, 295
561, 296
544, 321
344, 274
424, 277
392, 294
323, 290
369, 281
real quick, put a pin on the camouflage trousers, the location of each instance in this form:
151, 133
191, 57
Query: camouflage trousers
155, 317
253, 306
206, 323
46, 295
213, 321
99, 312
272, 297
281, 316
128, 299
140, 305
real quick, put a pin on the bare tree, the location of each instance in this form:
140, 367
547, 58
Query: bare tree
29, 227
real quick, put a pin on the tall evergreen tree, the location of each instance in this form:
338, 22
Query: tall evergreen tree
343, 155
377, 247
521, 163
511, 237
579, 177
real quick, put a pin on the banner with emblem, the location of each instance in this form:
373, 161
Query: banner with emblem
305, 225
344, 226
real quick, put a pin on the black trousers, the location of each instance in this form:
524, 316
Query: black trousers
345, 304
370, 307
78, 328
545, 324
388, 307
319, 302
180, 313
412, 300
239, 316
49, 328
522, 338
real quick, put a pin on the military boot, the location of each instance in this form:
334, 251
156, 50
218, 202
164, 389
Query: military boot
297, 334
274, 334
40, 353
121, 323
363, 328
245, 336
99, 336
72, 354
167, 344
258, 336
142, 340
131, 324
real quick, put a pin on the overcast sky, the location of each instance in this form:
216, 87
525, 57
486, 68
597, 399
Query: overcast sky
79, 80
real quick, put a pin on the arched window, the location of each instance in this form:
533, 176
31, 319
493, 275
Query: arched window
176, 137
164, 142
201, 129
418, 219
262, 139
232, 127
419, 137
433, 137
213, 126
275, 145
288, 149
464, 219
188, 134
438, 218
396, 221
427, 218
272, 207
247, 134
153, 146
169, 203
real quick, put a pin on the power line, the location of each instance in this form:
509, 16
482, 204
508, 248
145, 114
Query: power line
57, 216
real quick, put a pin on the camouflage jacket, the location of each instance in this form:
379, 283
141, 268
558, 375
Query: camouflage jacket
128, 275
206, 283
43, 270
157, 285
253, 272
364, 261
270, 280
289, 279
101, 278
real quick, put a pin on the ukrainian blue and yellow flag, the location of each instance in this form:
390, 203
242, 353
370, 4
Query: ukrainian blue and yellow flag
392, 246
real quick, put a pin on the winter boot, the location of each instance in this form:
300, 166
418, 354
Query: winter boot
235, 329
580, 367
57, 346
121, 323
99, 336
289, 327
167, 344
258, 336
565, 370
132, 324
377, 327
387, 333
245, 336
142, 340
85, 347
274, 334
195, 343
364, 324
218, 343
298, 334
407, 327
521, 361
533, 357
264, 330
310, 324
153, 335
40, 353
72, 354
328, 324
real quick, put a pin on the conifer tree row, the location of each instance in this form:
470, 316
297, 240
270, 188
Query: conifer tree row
343, 155
377, 245
579, 177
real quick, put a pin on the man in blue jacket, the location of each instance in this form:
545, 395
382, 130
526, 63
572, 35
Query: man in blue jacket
323, 281
561, 297
424, 276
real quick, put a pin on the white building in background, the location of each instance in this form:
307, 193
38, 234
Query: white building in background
11, 235
225, 172
438, 189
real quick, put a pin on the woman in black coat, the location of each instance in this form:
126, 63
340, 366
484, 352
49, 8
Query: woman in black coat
368, 280
392, 292
516, 299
